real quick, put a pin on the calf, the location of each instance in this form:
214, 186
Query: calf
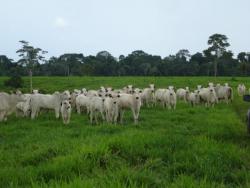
96, 106
183, 94
224, 93
8, 104
82, 101
23, 108
66, 111
148, 95
208, 96
128, 101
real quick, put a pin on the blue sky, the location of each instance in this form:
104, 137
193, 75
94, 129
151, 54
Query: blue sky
159, 27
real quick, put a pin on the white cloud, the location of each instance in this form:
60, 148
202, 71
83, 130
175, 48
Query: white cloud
60, 22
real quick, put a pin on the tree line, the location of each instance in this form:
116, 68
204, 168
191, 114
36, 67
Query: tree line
215, 60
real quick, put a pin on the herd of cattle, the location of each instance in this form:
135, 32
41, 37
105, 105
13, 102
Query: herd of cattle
109, 103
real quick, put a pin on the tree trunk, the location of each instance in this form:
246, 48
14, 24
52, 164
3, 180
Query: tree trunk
215, 68
31, 81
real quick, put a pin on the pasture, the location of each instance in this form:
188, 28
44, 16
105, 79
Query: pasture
186, 147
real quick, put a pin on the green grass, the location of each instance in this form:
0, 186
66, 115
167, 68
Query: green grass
188, 147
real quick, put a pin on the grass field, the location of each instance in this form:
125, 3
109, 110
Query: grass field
188, 147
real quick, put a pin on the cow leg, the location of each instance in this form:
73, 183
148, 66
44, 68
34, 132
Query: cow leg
102, 114
33, 113
91, 116
57, 112
121, 116
1, 116
96, 118
78, 109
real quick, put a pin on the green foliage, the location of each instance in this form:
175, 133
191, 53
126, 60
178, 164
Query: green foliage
188, 147
15, 81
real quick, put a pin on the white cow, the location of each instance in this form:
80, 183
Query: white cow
224, 93
41, 101
74, 94
161, 97
35, 91
183, 94
148, 95
96, 106
23, 108
128, 101
171, 98
208, 96
8, 104
66, 111
110, 107
84, 91
241, 89
194, 98
167, 97
92, 93
210, 84
82, 101
199, 87
128, 89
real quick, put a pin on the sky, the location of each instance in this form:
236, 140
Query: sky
159, 27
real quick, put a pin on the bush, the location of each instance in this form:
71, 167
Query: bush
15, 81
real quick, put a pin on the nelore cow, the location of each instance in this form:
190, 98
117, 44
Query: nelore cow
8, 104
42, 101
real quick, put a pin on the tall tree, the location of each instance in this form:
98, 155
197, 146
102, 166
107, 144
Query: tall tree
217, 46
30, 56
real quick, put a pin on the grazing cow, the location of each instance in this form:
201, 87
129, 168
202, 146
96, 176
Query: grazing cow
148, 95
183, 94
208, 96
96, 106
8, 104
224, 93
66, 111
82, 101
41, 101
128, 101
241, 89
